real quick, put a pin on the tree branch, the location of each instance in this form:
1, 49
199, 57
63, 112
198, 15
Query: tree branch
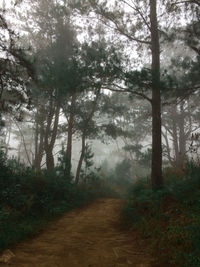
168, 148
139, 12
126, 90
120, 30
102, 12
188, 1
24, 143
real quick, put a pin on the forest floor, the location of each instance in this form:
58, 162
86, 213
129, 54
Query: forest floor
88, 236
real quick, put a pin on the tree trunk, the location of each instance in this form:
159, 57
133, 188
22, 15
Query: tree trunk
84, 134
50, 138
24, 143
8, 134
179, 137
49, 159
182, 138
37, 162
171, 160
156, 171
37, 144
40, 149
36, 134
174, 133
78, 171
70, 130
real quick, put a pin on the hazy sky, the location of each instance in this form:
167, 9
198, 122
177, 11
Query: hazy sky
6, 3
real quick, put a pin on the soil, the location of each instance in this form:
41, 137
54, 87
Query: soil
89, 236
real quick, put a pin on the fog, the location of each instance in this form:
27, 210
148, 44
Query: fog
99, 133
80, 80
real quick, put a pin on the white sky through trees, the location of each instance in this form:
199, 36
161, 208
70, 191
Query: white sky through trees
82, 34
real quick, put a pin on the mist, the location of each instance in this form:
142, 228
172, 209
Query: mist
99, 112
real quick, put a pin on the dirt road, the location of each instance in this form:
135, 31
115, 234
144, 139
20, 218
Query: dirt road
84, 237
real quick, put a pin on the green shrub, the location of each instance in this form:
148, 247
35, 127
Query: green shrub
28, 198
170, 217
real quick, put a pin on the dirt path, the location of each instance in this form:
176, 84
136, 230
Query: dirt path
84, 237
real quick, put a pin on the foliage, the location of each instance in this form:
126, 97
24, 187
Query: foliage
29, 199
169, 217
88, 160
15, 70
63, 167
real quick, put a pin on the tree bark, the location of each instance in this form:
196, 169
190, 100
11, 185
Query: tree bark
8, 134
156, 171
24, 143
70, 129
174, 133
171, 160
40, 149
49, 159
50, 138
78, 171
84, 135
40, 118
182, 138
36, 136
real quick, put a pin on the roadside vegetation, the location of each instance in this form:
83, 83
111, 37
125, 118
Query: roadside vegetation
30, 199
114, 86
168, 218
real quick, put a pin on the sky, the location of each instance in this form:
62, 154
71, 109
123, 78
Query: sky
10, 3
6, 3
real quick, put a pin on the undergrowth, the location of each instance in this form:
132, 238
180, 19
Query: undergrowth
169, 218
30, 199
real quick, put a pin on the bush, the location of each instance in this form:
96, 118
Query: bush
170, 217
28, 198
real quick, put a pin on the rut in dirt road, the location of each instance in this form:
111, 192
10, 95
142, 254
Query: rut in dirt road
84, 237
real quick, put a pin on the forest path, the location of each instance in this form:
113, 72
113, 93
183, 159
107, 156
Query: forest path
84, 237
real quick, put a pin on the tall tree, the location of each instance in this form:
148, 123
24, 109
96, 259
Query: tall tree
180, 122
53, 41
143, 31
86, 129
156, 170
92, 66
15, 68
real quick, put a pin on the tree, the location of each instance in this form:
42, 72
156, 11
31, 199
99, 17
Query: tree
188, 35
53, 42
86, 129
92, 67
116, 18
180, 122
15, 69
156, 169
